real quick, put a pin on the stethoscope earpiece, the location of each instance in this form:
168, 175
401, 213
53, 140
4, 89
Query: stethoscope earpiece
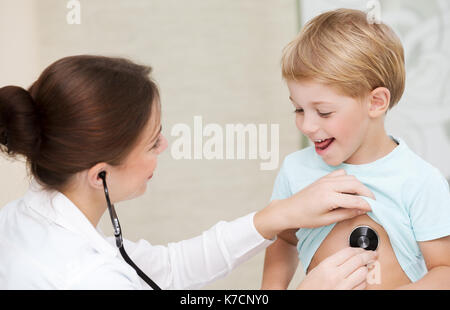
364, 237
102, 175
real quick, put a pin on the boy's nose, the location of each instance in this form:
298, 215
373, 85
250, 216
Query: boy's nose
308, 126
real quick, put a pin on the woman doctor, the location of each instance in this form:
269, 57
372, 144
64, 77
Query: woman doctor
87, 115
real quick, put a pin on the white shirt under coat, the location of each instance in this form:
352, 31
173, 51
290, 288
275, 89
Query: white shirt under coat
46, 242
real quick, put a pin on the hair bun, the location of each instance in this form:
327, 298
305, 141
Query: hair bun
19, 124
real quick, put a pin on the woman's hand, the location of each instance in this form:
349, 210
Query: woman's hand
345, 270
328, 200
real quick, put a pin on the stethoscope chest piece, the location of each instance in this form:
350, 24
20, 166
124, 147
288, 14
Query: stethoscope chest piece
364, 237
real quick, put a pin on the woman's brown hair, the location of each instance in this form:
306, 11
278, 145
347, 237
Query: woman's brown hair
82, 110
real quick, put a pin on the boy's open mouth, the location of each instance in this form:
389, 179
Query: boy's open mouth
324, 144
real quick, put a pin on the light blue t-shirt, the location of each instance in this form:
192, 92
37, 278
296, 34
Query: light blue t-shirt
412, 201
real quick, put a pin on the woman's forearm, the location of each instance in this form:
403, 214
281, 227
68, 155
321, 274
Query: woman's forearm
270, 221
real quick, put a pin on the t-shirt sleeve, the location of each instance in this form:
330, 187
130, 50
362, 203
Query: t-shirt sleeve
281, 189
430, 208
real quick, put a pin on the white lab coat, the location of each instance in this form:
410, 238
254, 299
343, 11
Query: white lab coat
47, 243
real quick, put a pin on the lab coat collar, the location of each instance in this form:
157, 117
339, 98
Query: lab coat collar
56, 207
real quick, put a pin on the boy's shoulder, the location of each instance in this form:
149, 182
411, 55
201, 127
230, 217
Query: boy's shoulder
417, 177
415, 166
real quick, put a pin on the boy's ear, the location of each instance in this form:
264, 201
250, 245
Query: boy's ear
379, 100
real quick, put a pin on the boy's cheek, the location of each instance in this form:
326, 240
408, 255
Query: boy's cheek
339, 129
344, 129
298, 124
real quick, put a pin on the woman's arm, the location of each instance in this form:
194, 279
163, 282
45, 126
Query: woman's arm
196, 262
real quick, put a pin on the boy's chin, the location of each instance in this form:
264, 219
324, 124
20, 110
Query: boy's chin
333, 161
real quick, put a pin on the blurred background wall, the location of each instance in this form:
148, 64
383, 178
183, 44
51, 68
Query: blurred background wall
218, 59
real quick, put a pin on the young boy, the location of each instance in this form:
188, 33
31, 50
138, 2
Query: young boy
343, 74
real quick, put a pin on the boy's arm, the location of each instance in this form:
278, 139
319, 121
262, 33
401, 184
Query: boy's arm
428, 201
437, 257
281, 261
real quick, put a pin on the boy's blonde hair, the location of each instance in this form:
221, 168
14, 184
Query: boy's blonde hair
341, 49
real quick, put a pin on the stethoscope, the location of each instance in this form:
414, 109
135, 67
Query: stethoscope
364, 237
118, 235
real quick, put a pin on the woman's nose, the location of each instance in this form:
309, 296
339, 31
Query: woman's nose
164, 144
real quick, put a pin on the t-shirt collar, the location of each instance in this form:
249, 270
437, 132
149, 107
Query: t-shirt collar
398, 149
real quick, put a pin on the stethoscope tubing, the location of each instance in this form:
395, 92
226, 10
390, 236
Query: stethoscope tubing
118, 235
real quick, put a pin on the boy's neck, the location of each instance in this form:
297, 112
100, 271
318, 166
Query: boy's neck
376, 145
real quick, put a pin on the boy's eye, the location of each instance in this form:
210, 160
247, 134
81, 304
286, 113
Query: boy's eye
324, 114
300, 110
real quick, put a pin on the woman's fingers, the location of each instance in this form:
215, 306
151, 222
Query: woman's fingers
357, 261
357, 279
350, 201
340, 214
346, 269
343, 255
344, 183
351, 185
323, 202
354, 269
361, 286
335, 173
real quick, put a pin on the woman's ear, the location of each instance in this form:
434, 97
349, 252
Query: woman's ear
379, 100
93, 175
